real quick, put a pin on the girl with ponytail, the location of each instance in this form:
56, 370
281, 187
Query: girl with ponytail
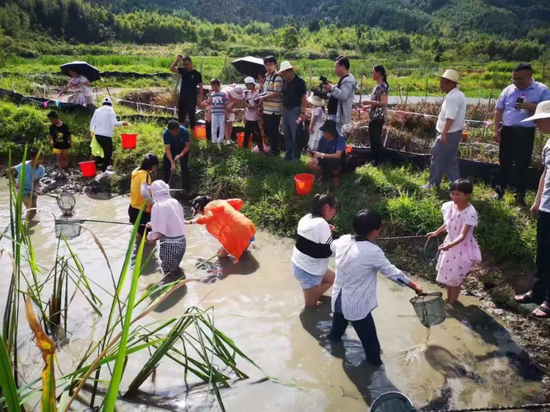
312, 251
378, 111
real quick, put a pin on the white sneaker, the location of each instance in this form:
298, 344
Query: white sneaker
227, 142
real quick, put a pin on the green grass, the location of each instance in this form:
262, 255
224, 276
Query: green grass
414, 77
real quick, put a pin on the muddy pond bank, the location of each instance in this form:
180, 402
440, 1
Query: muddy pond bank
471, 360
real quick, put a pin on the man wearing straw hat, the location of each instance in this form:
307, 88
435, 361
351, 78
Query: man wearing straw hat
294, 108
449, 129
540, 292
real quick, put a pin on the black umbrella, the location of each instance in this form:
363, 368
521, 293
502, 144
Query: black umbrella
250, 66
83, 68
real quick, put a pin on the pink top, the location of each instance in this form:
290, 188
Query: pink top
454, 264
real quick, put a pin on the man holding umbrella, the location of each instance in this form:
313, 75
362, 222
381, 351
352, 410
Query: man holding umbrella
190, 80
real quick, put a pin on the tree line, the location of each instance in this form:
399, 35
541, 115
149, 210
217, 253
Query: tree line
29, 27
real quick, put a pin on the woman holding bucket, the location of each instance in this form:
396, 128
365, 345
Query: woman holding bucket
102, 127
312, 252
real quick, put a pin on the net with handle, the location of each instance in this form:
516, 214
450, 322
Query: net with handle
68, 229
392, 402
430, 308
66, 203
431, 250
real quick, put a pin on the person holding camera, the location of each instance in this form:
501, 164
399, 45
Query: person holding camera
341, 96
516, 138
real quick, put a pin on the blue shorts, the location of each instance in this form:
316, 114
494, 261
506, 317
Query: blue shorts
307, 280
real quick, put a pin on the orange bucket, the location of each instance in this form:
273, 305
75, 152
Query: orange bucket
349, 150
129, 141
304, 183
199, 132
240, 140
87, 168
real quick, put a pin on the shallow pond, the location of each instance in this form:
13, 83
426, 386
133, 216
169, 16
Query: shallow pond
470, 360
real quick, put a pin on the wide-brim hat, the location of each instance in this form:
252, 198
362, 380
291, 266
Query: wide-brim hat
451, 75
107, 100
286, 66
236, 93
315, 101
542, 112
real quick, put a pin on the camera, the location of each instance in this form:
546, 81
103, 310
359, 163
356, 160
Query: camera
320, 91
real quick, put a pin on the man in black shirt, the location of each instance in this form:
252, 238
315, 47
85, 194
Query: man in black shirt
60, 139
294, 109
190, 79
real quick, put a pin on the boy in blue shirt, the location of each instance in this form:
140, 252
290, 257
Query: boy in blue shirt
331, 149
34, 171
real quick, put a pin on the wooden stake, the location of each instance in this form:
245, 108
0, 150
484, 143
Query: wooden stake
361, 91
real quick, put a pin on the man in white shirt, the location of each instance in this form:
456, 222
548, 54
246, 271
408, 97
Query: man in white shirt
449, 128
102, 127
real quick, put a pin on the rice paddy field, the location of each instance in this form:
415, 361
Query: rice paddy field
406, 77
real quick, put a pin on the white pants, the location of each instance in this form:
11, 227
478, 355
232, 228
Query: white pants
218, 128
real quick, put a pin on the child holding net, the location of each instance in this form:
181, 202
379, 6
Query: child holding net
460, 250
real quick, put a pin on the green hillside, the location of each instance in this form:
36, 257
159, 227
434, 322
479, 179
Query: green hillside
428, 30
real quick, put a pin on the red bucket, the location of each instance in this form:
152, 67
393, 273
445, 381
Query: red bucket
200, 132
304, 183
129, 141
87, 168
240, 140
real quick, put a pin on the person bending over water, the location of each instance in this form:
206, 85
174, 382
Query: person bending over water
167, 225
358, 261
139, 192
226, 223
312, 250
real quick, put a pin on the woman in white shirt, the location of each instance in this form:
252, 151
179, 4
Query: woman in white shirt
358, 262
312, 251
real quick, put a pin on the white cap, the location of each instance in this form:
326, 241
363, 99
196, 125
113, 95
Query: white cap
543, 112
249, 80
107, 100
451, 75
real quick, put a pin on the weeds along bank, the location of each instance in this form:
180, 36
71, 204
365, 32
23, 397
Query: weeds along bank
506, 234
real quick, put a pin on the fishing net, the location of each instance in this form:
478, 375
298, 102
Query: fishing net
392, 402
431, 250
66, 203
69, 229
430, 308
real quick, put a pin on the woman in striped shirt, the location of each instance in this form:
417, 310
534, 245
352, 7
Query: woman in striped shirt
312, 250
358, 262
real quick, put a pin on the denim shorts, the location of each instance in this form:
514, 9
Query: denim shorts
307, 280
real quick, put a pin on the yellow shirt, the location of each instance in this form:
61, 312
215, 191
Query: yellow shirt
138, 178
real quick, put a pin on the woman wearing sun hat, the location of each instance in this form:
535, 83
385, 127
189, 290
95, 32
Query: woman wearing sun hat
317, 120
540, 292
235, 94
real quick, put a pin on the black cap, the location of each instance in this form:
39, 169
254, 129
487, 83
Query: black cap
330, 127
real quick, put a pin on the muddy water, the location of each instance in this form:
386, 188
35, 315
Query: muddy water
470, 360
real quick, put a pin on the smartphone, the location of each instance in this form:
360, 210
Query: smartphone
519, 100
